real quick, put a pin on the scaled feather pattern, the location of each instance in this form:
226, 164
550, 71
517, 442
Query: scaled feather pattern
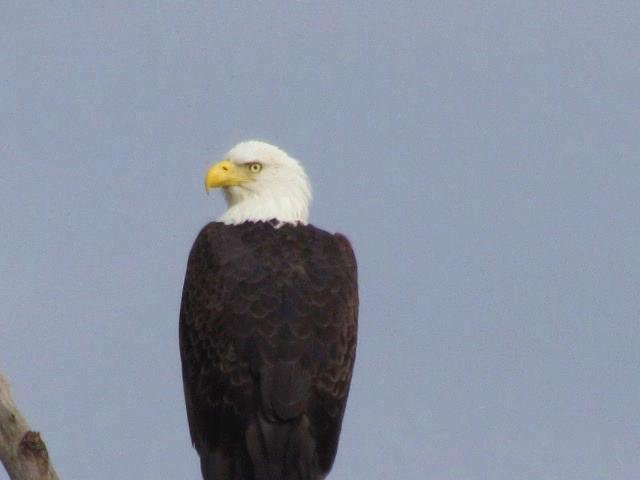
268, 327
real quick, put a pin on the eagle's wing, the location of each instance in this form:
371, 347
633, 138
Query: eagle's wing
337, 342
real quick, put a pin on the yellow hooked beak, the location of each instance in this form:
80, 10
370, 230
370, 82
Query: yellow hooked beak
224, 174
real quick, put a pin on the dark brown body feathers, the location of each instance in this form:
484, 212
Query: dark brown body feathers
268, 329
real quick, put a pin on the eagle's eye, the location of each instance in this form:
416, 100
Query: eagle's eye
255, 167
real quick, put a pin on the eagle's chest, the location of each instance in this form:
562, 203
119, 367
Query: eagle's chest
278, 263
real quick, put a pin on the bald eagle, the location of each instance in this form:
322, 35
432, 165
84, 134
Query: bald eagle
268, 326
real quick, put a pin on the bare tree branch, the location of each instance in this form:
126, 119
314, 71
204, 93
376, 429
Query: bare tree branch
22, 451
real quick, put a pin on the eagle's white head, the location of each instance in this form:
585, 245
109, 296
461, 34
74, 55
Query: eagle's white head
261, 183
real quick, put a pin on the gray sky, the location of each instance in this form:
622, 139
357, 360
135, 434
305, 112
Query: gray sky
483, 157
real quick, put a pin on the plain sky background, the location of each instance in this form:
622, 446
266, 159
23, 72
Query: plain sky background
484, 158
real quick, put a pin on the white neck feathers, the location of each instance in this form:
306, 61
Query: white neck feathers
255, 208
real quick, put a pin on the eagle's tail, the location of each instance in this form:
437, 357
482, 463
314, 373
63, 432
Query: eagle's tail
221, 466
283, 450
272, 451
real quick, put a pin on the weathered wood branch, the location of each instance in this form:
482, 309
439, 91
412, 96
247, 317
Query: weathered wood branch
22, 451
